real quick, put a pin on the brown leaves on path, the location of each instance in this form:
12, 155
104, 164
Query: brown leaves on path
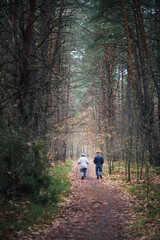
97, 209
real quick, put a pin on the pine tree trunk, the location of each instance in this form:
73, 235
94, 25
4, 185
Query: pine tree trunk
25, 79
148, 110
128, 44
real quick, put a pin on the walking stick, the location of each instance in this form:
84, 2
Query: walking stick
76, 171
88, 172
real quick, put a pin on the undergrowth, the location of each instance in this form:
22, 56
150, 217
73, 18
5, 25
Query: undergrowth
146, 195
147, 209
20, 214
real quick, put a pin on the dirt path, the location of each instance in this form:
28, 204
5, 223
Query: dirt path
97, 210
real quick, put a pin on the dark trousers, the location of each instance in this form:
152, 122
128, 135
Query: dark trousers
98, 170
83, 172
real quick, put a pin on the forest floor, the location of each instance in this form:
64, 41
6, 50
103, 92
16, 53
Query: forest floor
97, 209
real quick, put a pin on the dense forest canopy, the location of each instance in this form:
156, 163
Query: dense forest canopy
77, 76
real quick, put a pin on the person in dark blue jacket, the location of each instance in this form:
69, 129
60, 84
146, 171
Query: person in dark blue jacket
98, 160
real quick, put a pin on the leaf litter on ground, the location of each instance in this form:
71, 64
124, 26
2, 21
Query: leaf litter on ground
98, 208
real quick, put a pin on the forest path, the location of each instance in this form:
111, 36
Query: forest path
97, 210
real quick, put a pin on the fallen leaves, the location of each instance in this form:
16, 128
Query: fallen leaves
97, 209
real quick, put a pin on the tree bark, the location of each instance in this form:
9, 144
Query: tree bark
131, 76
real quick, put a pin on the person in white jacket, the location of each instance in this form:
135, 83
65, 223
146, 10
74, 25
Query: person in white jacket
83, 161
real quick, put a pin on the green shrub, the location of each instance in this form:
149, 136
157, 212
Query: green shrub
23, 165
28, 185
11, 157
35, 208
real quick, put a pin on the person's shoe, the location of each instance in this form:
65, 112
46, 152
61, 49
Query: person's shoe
82, 178
100, 176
